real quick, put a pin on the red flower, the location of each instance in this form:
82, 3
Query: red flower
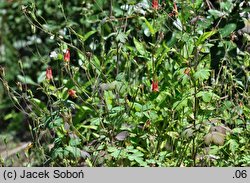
49, 75
175, 9
72, 93
154, 86
174, 13
155, 4
67, 56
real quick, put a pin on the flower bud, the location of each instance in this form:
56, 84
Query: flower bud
67, 56
72, 93
49, 75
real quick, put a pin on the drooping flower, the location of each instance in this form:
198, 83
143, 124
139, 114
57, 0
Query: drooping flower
155, 4
67, 56
49, 74
154, 86
175, 9
72, 93
174, 13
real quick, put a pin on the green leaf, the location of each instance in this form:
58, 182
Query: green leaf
50, 27
109, 86
38, 102
121, 37
139, 46
74, 141
118, 109
198, 4
109, 96
174, 135
26, 80
114, 152
233, 145
202, 74
41, 77
58, 153
86, 36
96, 64
227, 30
237, 130
205, 36
150, 27
151, 115
136, 156
172, 40
138, 107
179, 105
76, 152
207, 95
216, 13
162, 96
56, 123
88, 162
187, 49
227, 6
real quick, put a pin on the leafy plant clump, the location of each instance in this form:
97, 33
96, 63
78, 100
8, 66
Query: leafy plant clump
149, 83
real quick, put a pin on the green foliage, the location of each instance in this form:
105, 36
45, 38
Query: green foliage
142, 87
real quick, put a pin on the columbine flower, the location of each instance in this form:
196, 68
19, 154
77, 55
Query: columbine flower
154, 86
72, 93
155, 4
53, 54
49, 75
67, 56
